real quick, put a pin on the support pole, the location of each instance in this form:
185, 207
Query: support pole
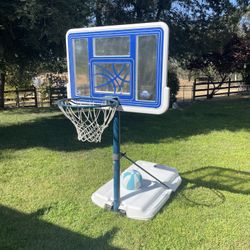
116, 160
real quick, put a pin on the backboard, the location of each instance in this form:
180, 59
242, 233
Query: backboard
124, 61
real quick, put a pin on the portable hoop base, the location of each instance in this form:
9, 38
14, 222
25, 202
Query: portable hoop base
90, 117
142, 204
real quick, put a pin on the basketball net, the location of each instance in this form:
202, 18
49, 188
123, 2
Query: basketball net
90, 118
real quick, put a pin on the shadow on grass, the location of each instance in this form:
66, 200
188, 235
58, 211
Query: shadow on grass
203, 186
57, 133
197, 195
19, 231
224, 179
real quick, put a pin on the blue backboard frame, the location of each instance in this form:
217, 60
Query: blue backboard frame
128, 102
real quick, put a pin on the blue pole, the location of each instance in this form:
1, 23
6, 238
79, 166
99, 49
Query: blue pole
116, 160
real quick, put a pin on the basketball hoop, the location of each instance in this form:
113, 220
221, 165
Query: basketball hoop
90, 116
120, 68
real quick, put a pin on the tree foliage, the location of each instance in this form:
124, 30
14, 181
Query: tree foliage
32, 33
233, 57
196, 26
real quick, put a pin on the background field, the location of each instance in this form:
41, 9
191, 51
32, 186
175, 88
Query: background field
47, 178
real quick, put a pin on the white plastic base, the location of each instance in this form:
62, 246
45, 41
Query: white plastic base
142, 204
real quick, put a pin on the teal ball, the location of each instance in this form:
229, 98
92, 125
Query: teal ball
132, 180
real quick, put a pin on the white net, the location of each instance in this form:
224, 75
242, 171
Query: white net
90, 118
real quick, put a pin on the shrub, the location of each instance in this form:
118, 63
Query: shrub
173, 83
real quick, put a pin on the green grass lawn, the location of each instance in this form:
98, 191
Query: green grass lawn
47, 178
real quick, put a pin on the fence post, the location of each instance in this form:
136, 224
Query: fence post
35, 97
194, 89
208, 83
50, 96
2, 82
229, 87
17, 98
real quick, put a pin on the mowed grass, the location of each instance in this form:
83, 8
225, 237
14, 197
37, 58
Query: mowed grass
47, 178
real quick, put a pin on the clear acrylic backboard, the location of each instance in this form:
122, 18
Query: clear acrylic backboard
124, 61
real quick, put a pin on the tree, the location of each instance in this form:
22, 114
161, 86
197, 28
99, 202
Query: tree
32, 31
196, 27
32, 35
234, 57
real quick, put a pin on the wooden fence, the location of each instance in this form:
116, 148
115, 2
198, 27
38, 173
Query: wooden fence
30, 97
185, 93
21, 97
205, 88
202, 88
56, 93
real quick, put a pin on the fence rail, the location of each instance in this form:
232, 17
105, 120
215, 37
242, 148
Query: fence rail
31, 97
208, 89
21, 97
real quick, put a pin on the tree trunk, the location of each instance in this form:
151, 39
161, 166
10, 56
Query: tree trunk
138, 11
211, 95
2, 83
98, 12
160, 9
